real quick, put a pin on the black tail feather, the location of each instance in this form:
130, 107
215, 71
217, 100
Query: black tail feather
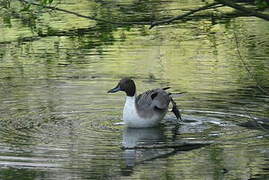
165, 88
175, 109
176, 94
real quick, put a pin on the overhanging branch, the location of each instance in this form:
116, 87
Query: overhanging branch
228, 3
208, 6
84, 16
248, 11
216, 4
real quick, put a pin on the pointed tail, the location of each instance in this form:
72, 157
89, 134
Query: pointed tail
175, 109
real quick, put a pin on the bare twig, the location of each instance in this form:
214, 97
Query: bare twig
246, 66
248, 11
182, 16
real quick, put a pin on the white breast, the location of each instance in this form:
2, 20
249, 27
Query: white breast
132, 119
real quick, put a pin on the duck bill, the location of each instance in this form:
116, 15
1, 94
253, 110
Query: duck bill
116, 89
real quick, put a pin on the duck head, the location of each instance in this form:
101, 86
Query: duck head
125, 84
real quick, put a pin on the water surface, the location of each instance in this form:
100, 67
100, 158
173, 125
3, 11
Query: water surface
58, 122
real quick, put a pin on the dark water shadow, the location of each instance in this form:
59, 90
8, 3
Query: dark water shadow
258, 124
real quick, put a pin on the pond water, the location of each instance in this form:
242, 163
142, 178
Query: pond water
58, 122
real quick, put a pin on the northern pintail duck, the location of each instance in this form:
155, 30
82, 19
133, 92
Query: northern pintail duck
146, 109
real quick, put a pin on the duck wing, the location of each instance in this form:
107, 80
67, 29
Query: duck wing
156, 98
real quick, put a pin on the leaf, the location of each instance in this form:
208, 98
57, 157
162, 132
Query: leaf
261, 4
26, 8
46, 2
